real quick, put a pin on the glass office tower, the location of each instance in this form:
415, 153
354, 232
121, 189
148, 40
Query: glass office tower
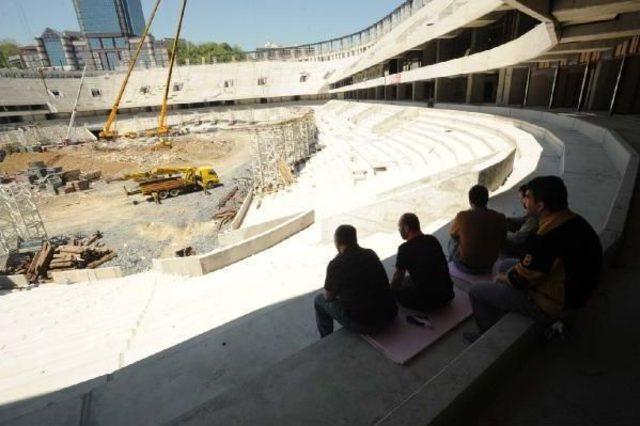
110, 17
108, 25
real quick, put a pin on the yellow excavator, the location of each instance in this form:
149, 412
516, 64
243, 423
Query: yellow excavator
163, 129
165, 182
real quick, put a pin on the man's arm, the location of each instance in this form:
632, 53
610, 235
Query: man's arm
398, 278
331, 282
455, 228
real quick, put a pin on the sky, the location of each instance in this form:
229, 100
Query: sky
248, 23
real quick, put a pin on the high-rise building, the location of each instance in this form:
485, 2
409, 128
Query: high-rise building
115, 18
108, 25
61, 50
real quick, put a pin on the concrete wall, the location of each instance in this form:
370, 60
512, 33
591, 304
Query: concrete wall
13, 281
219, 258
242, 212
86, 275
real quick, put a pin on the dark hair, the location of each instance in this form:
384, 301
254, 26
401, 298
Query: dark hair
346, 235
550, 190
523, 189
411, 221
479, 196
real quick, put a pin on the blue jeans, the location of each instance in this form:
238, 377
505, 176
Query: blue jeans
491, 301
507, 264
329, 310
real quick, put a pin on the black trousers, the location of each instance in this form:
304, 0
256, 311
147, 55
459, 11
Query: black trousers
410, 297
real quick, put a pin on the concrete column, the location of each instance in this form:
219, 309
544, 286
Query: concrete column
399, 94
504, 86
475, 88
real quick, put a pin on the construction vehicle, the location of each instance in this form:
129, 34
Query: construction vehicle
165, 182
163, 130
107, 132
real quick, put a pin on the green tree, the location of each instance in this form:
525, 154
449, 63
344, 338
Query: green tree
210, 51
7, 48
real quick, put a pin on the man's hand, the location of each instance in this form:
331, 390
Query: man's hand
502, 278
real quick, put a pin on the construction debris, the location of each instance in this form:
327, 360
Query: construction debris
186, 252
59, 254
229, 205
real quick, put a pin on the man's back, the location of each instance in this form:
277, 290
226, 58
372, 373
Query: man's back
423, 257
360, 282
480, 233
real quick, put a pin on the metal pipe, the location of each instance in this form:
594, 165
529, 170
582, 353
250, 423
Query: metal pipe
584, 84
553, 87
75, 105
617, 87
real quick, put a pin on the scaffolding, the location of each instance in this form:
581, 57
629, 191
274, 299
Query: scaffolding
20, 219
278, 148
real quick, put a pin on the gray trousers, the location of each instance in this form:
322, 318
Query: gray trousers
491, 301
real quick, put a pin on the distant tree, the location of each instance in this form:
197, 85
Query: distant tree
210, 51
7, 48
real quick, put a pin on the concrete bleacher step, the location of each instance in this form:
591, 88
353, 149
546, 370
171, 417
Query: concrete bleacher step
174, 381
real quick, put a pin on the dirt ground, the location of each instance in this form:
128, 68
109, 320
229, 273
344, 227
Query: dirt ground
223, 149
143, 231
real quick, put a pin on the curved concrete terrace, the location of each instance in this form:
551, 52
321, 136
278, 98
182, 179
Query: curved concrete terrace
218, 363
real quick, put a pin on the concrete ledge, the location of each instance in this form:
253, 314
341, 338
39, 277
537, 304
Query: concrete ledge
438, 399
225, 256
9, 282
242, 212
86, 275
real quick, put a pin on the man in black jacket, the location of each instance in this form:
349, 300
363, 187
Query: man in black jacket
558, 272
428, 285
356, 290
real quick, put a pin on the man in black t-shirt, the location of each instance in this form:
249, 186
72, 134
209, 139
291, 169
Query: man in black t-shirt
357, 292
428, 286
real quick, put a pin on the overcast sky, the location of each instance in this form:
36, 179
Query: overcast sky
249, 23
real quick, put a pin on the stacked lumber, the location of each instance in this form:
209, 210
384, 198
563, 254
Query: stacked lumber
67, 253
81, 253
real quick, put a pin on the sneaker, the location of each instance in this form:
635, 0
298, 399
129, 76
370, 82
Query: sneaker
471, 336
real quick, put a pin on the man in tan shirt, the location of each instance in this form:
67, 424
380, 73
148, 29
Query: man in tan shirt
477, 234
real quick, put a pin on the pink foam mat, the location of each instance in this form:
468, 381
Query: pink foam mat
472, 279
402, 341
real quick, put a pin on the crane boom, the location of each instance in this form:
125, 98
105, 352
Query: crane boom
162, 119
106, 132
75, 105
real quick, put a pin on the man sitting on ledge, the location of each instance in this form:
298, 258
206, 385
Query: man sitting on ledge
477, 235
357, 292
519, 229
559, 271
428, 285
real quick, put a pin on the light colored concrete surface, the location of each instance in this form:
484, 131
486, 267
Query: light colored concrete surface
326, 383
86, 275
164, 311
439, 392
526, 47
242, 211
10, 281
197, 370
262, 238
236, 236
